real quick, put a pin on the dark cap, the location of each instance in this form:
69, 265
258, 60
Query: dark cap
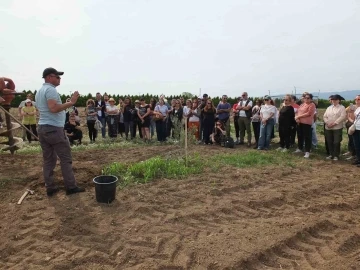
205, 95
51, 70
336, 97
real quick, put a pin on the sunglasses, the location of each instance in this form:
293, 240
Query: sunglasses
357, 98
306, 98
177, 103
266, 100
208, 103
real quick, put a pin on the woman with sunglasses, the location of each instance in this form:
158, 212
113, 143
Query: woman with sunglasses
356, 135
304, 118
267, 118
209, 112
218, 133
286, 123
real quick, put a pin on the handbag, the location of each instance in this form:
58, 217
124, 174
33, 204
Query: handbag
98, 124
352, 128
158, 117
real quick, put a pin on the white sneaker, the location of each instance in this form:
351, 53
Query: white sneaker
297, 151
349, 158
346, 154
335, 159
329, 157
307, 155
279, 149
284, 150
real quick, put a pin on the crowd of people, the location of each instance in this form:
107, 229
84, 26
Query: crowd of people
59, 123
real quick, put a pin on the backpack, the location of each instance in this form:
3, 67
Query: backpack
227, 142
248, 113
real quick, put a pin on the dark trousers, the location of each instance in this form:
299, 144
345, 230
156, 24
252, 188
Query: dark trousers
304, 135
356, 139
136, 125
76, 137
33, 130
326, 143
161, 130
121, 128
54, 143
351, 146
256, 128
129, 126
92, 130
103, 129
168, 126
112, 122
208, 127
236, 125
334, 138
244, 124
293, 135
285, 135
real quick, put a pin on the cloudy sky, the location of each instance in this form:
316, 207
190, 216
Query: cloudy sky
168, 46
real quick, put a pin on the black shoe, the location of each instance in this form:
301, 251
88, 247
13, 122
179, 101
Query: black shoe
240, 143
51, 191
356, 162
74, 190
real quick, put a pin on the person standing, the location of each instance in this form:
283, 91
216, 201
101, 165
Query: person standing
91, 117
255, 121
236, 120
29, 118
21, 106
267, 118
101, 107
334, 118
304, 118
52, 137
286, 124
294, 129
244, 108
356, 135
223, 110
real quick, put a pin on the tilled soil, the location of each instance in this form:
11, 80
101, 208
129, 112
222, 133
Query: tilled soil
276, 217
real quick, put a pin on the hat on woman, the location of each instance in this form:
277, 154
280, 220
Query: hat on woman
111, 99
336, 97
28, 100
267, 97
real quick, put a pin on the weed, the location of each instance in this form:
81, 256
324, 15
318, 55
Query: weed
153, 168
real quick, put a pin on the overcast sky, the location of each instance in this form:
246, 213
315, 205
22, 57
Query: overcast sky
168, 46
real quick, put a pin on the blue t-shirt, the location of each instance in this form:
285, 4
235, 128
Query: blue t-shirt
223, 106
46, 92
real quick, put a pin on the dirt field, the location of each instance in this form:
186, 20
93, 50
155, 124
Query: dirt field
273, 218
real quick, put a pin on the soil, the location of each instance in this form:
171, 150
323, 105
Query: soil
256, 218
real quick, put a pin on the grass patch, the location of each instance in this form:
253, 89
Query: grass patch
256, 159
154, 168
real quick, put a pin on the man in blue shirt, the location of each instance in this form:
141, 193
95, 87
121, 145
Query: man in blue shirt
52, 137
223, 110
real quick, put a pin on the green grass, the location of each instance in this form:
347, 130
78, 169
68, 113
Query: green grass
255, 158
154, 168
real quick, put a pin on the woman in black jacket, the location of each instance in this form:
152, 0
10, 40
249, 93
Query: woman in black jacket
286, 123
208, 112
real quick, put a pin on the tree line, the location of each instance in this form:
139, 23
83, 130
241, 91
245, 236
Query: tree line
321, 103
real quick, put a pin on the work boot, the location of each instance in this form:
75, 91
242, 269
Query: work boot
74, 190
51, 191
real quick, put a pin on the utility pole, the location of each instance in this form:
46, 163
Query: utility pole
295, 90
269, 92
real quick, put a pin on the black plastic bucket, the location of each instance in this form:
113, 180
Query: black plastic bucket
105, 188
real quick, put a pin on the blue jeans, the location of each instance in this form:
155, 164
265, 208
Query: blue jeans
103, 129
265, 134
356, 138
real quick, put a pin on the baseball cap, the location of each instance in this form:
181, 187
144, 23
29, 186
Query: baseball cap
267, 97
50, 70
205, 95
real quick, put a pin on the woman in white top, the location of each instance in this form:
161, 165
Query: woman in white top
356, 135
112, 115
194, 119
255, 121
267, 114
159, 115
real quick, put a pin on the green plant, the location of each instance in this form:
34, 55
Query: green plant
153, 168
